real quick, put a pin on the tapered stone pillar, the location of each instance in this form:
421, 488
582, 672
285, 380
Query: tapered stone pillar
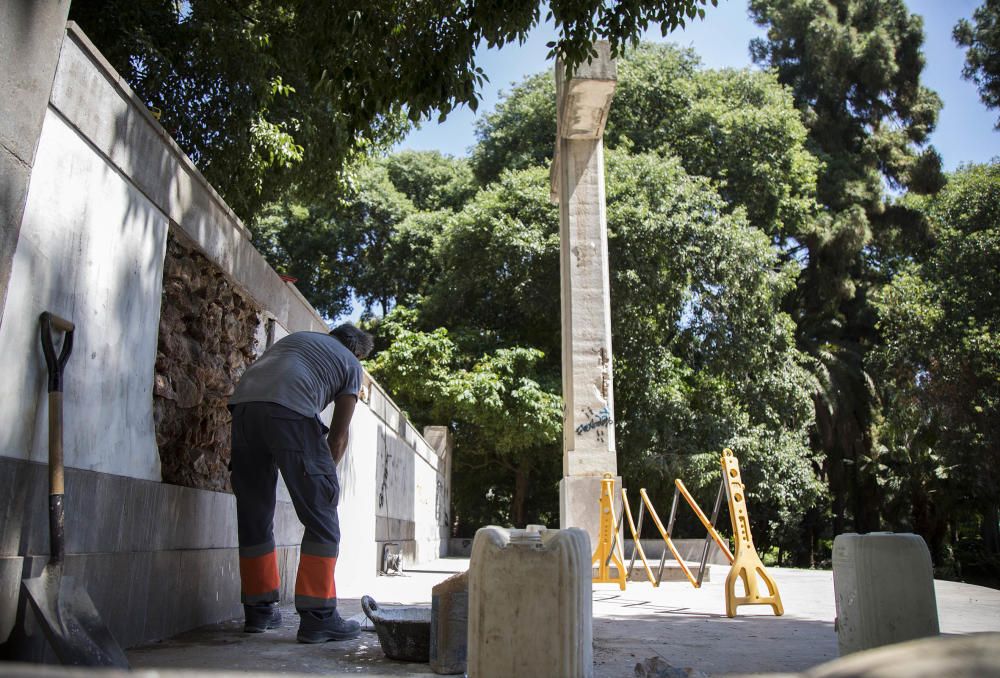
577, 175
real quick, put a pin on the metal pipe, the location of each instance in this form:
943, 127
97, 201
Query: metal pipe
708, 537
673, 513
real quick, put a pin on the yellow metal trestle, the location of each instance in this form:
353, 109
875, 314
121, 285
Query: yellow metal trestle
607, 538
747, 565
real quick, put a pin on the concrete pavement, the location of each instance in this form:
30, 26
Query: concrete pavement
683, 626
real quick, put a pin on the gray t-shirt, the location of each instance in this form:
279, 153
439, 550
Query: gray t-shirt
304, 372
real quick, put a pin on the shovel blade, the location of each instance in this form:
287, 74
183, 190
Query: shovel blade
71, 623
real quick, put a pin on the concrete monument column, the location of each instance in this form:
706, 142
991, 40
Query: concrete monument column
583, 102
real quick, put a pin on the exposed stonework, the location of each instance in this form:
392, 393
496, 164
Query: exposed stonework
205, 343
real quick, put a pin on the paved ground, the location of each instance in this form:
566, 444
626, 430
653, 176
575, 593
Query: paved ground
683, 626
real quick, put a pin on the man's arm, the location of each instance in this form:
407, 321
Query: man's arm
343, 410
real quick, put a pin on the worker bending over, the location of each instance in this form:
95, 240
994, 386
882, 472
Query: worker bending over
276, 426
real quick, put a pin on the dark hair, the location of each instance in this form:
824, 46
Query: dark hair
357, 341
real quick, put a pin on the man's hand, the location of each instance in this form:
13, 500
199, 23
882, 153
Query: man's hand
340, 428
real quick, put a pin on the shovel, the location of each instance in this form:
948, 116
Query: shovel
64, 610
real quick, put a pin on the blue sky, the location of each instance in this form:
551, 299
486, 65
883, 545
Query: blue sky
965, 127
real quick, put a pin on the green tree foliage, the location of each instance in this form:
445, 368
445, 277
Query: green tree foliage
279, 93
703, 356
342, 246
854, 70
982, 59
373, 241
520, 133
495, 287
704, 359
742, 130
940, 368
507, 423
430, 180
739, 128
301, 242
499, 260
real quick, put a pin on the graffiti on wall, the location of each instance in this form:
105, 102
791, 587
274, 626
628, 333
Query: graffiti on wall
382, 497
596, 421
440, 505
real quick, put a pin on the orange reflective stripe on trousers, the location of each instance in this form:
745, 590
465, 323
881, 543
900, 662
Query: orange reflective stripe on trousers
259, 578
314, 584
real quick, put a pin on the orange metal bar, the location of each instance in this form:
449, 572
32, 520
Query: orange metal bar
635, 538
704, 519
666, 538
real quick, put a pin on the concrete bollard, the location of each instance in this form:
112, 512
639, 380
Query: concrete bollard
450, 624
884, 590
530, 604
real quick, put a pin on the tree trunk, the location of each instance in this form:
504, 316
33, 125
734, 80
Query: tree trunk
833, 464
813, 545
863, 487
928, 523
519, 502
990, 529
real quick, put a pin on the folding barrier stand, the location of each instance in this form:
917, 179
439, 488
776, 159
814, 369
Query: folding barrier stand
608, 538
747, 565
636, 529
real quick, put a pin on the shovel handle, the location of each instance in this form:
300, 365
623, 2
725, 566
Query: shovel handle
55, 365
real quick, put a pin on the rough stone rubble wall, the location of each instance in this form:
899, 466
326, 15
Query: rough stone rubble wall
206, 341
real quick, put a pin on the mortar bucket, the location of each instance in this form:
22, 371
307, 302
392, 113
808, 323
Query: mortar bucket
404, 631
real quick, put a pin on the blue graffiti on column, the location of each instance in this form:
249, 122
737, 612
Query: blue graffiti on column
596, 420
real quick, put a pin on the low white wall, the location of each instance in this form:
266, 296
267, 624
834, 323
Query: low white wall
107, 186
431, 500
356, 568
413, 484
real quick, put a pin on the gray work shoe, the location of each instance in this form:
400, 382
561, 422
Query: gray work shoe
320, 627
261, 616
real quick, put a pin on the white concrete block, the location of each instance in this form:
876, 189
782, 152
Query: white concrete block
358, 494
584, 99
530, 604
884, 590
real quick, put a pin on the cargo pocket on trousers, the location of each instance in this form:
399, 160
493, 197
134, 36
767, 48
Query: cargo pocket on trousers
290, 430
323, 477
